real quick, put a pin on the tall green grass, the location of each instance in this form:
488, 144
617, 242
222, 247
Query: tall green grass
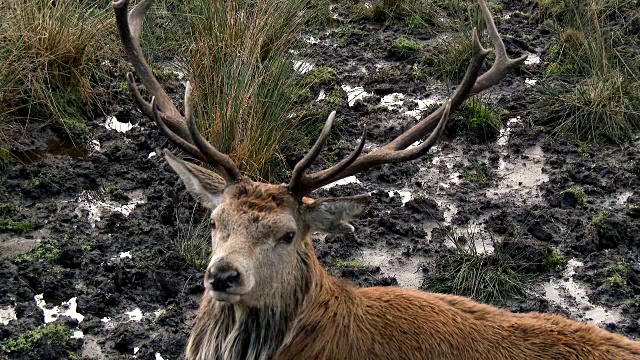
49, 52
244, 82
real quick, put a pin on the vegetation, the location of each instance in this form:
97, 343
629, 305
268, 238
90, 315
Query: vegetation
481, 123
600, 109
484, 276
448, 61
477, 173
244, 81
52, 336
351, 263
193, 243
404, 47
618, 275
320, 75
7, 224
48, 251
577, 194
553, 260
49, 53
603, 106
602, 216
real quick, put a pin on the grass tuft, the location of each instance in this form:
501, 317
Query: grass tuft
49, 52
477, 173
578, 194
481, 123
553, 260
486, 277
449, 60
618, 275
602, 107
193, 243
243, 77
602, 216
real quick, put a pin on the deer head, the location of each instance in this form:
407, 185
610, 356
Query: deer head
261, 232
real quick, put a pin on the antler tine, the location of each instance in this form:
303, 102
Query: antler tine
183, 131
222, 162
503, 63
180, 142
130, 27
295, 183
399, 149
308, 181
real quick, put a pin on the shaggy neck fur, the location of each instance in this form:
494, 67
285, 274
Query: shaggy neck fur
235, 332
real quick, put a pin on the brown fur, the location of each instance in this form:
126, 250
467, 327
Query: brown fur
311, 315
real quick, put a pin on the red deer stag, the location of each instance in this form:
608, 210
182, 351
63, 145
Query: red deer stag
268, 297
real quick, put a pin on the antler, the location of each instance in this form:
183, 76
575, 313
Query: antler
399, 149
182, 130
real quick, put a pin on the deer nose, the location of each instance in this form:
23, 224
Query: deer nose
222, 279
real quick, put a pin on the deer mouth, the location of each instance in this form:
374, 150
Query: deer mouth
225, 296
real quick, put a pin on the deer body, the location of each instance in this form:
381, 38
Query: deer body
334, 321
267, 296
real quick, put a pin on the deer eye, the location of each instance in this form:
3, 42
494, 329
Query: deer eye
212, 224
288, 237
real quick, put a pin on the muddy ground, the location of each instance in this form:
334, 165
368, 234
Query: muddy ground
106, 210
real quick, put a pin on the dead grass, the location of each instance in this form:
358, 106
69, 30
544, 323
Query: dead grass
244, 78
603, 107
48, 55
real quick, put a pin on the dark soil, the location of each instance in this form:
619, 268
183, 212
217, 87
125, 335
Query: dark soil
393, 241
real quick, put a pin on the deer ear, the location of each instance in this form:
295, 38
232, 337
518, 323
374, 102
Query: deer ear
205, 186
332, 215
